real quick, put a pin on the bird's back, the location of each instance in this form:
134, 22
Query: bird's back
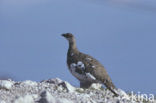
94, 67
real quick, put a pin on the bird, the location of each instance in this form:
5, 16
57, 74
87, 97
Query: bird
85, 68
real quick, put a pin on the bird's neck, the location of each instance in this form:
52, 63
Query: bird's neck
72, 46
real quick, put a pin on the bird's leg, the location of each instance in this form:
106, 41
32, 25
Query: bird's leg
85, 84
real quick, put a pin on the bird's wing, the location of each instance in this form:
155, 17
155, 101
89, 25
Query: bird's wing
94, 68
96, 72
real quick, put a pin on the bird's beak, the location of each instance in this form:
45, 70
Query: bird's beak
63, 35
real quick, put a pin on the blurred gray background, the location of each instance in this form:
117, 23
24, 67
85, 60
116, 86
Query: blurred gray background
121, 34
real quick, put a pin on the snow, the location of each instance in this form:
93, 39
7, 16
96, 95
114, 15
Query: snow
25, 99
6, 84
123, 95
69, 87
97, 86
30, 83
2, 102
48, 91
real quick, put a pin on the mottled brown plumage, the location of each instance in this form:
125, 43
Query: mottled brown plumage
85, 68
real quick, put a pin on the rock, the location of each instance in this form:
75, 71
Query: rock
67, 86
53, 81
46, 98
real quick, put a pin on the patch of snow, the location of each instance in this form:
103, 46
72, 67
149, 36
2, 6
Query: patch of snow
35, 96
6, 84
29, 83
69, 87
86, 98
80, 89
63, 100
25, 99
122, 94
46, 97
97, 86
2, 101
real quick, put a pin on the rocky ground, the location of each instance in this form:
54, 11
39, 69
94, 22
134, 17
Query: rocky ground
57, 91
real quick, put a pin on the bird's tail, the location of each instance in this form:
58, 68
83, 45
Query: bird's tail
111, 87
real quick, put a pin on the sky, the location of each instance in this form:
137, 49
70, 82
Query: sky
121, 34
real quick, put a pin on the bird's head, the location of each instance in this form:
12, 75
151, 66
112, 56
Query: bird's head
68, 36
71, 39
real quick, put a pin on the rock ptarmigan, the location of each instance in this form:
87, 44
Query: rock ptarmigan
85, 68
